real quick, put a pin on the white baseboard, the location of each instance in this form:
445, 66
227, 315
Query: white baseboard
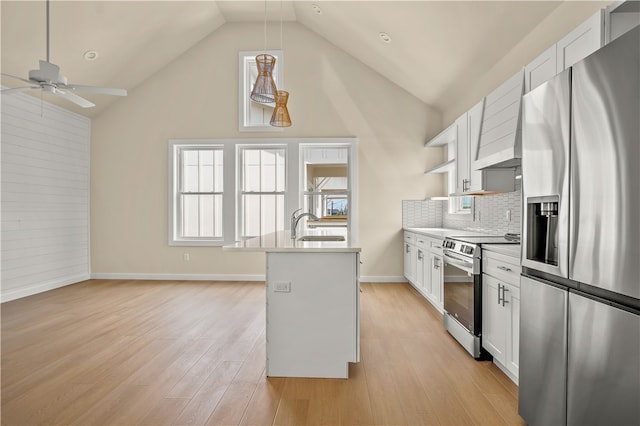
18, 293
374, 279
12, 294
218, 277
177, 277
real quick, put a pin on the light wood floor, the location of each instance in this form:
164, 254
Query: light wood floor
153, 352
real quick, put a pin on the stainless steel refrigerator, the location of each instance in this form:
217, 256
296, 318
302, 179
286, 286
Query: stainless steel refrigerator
580, 289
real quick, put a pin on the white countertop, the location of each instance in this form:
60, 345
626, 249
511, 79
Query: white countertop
442, 233
282, 242
512, 250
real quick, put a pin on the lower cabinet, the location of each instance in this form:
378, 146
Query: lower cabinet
423, 266
501, 313
410, 257
312, 313
434, 292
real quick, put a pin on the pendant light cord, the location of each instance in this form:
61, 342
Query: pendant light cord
281, 47
265, 25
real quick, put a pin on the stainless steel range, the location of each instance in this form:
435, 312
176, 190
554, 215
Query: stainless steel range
463, 289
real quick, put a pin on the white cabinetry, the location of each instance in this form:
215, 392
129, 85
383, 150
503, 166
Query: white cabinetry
423, 266
540, 69
501, 310
585, 39
436, 282
620, 17
410, 256
463, 166
313, 327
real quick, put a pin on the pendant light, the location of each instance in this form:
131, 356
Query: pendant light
280, 116
264, 88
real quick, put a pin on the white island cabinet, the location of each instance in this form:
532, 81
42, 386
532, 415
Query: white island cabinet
313, 305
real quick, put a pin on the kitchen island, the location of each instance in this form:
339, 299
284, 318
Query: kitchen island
313, 303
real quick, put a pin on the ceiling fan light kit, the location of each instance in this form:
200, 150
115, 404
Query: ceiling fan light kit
49, 80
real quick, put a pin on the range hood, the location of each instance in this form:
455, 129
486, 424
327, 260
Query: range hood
500, 138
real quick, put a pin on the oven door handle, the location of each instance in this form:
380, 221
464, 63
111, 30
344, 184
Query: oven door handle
465, 266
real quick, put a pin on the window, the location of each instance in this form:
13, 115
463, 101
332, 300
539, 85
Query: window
224, 190
262, 194
198, 190
255, 116
327, 183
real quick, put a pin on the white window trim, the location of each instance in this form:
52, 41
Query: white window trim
295, 188
243, 93
352, 173
227, 195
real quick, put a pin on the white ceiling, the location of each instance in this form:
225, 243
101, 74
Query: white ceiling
435, 45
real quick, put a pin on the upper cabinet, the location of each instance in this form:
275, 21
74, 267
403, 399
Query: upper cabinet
581, 42
620, 17
462, 153
500, 144
540, 69
470, 181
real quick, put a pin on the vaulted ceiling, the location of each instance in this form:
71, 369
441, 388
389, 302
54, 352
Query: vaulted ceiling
435, 45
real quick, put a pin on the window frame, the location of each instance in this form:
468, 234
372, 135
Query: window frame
180, 193
295, 188
240, 149
175, 146
244, 87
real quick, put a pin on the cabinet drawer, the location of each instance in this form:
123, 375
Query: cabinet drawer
436, 247
502, 267
422, 242
409, 237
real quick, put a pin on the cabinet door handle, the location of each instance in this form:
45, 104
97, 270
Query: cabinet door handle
420, 257
406, 248
500, 298
504, 268
504, 298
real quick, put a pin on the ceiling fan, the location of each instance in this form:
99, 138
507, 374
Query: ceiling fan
48, 79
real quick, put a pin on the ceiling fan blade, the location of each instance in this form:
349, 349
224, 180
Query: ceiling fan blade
18, 78
18, 89
99, 90
75, 99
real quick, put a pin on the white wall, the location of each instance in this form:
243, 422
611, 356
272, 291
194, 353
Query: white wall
45, 196
332, 95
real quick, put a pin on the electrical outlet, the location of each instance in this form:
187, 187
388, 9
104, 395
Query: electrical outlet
282, 286
186, 257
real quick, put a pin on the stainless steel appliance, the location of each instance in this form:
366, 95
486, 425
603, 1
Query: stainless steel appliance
463, 288
580, 290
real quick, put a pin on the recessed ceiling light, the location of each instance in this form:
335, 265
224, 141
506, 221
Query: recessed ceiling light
385, 37
316, 9
90, 55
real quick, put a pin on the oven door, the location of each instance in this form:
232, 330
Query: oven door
462, 292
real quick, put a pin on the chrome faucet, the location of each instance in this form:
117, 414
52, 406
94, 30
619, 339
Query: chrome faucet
295, 219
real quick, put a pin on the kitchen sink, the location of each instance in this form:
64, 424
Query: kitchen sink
322, 238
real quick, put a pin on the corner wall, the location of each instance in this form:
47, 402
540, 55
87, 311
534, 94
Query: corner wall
332, 95
45, 196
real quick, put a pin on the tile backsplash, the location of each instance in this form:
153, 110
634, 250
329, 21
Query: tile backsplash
489, 214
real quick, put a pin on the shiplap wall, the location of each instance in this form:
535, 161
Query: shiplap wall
45, 176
